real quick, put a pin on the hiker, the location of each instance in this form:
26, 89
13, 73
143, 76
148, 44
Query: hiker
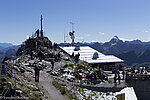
52, 63
118, 72
5, 59
88, 78
6, 70
55, 46
58, 55
37, 72
8, 62
142, 70
40, 55
31, 54
95, 79
11, 91
92, 78
115, 78
77, 57
72, 54
123, 73
80, 78
78, 54
56, 58
119, 78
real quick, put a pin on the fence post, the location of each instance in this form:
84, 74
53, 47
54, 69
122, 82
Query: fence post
0, 72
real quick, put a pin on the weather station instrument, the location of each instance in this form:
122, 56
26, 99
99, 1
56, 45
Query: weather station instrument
72, 34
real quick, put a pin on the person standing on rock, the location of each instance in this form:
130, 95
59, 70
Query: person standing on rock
80, 78
40, 55
119, 78
52, 63
115, 78
31, 54
77, 57
123, 73
37, 72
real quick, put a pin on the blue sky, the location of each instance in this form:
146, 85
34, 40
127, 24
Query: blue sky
95, 20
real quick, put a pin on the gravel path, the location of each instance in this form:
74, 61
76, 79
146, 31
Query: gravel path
46, 82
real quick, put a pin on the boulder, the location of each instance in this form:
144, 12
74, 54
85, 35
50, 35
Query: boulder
16, 68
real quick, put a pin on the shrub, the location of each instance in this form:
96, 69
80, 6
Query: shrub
107, 93
59, 87
62, 90
100, 93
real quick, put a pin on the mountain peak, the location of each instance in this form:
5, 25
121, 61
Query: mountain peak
5, 45
115, 39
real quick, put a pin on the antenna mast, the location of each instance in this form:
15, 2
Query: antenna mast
72, 25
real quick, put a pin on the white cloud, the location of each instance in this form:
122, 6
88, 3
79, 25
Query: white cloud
102, 33
79, 39
27, 36
87, 35
124, 39
94, 41
146, 31
148, 39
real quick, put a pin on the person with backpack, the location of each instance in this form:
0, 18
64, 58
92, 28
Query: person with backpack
52, 63
37, 73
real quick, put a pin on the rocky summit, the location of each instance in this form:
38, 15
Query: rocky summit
34, 52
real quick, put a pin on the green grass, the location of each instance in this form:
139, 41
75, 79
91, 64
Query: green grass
63, 90
59, 87
127, 84
38, 87
36, 96
22, 85
25, 92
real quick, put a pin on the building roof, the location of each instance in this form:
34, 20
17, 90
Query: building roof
86, 54
129, 93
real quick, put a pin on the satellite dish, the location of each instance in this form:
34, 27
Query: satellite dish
77, 48
95, 55
72, 33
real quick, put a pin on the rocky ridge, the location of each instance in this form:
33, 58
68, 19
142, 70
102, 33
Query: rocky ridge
39, 52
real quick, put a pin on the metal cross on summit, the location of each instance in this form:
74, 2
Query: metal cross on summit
41, 27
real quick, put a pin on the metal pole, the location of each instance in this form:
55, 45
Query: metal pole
14, 75
0, 72
36, 46
15, 82
72, 25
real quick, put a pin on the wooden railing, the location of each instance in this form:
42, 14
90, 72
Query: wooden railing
137, 76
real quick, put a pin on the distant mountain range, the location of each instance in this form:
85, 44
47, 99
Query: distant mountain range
7, 49
136, 59
138, 42
116, 46
5, 45
131, 52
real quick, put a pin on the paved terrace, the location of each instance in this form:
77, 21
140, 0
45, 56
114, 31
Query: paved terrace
102, 87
